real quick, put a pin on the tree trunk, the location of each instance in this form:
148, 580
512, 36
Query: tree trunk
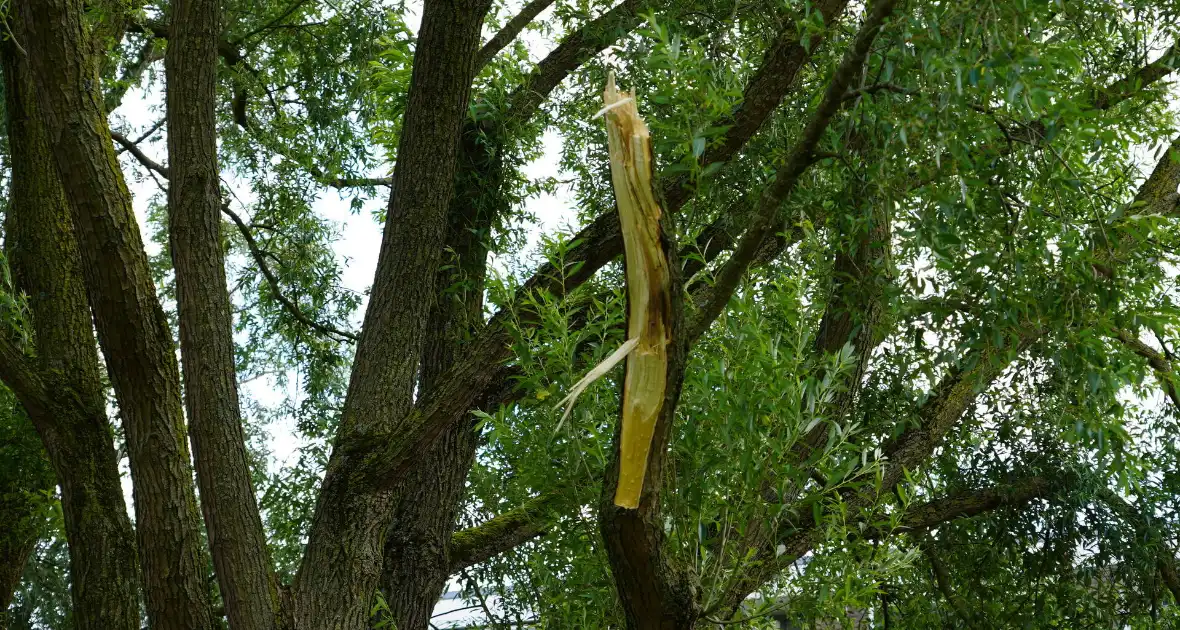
416, 552
343, 562
46, 266
426, 502
240, 556
132, 327
417, 545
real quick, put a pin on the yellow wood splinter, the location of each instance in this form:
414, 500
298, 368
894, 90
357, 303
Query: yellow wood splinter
648, 288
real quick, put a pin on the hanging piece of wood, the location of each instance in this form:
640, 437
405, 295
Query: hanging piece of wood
648, 289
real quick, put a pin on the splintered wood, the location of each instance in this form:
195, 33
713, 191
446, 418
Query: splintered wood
648, 289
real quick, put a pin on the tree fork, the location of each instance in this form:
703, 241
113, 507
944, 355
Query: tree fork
341, 567
598, 243
426, 502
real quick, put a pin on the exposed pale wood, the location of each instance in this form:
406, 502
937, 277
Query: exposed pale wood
648, 288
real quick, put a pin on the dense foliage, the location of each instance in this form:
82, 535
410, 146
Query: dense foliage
941, 395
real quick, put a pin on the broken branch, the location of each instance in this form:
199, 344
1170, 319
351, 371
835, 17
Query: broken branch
648, 289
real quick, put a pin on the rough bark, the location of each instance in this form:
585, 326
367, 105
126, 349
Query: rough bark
861, 251
968, 503
16, 545
73, 426
1157, 196
426, 501
417, 545
132, 327
471, 380
241, 560
341, 567
427, 497
575, 50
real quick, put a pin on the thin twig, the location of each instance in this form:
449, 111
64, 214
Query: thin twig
282, 16
139, 155
479, 596
942, 579
273, 280
150, 131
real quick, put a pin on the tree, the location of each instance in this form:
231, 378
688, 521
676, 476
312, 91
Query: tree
906, 257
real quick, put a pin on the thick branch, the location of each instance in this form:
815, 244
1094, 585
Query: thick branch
19, 374
503, 533
766, 89
46, 267
731, 273
1157, 197
576, 49
1133, 83
769, 85
968, 503
510, 31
